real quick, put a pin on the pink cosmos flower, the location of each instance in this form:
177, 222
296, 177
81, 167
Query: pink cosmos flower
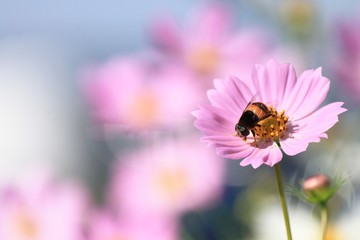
347, 63
208, 44
40, 210
135, 95
103, 226
167, 180
289, 118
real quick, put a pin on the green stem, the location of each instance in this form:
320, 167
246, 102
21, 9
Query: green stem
324, 220
283, 201
186, 234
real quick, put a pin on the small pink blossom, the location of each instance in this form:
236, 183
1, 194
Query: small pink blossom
168, 179
295, 120
347, 63
103, 226
38, 209
208, 43
135, 95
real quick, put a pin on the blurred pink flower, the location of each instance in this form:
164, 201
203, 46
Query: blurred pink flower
209, 44
293, 122
103, 226
38, 209
167, 180
347, 63
134, 95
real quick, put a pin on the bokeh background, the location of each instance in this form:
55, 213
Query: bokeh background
50, 51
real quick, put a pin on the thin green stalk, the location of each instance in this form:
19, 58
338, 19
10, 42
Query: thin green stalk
186, 234
324, 220
283, 201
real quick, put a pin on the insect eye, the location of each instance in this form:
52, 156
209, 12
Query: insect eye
239, 128
242, 130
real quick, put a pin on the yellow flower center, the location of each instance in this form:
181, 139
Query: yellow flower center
172, 182
271, 128
25, 225
204, 59
143, 109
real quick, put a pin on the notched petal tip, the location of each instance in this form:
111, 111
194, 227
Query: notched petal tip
196, 112
341, 109
319, 72
245, 163
233, 78
253, 165
272, 62
218, 84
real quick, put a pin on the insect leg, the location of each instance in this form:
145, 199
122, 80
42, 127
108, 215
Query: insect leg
253, 133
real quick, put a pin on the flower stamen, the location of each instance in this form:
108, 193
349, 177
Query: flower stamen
271, 128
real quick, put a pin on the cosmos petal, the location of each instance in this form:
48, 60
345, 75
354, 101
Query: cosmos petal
302, 100
208, 128
293, 146
254, 159
321, 120
231, 94
224, 140
197, 113
273, 81
312, 128
239, 91
234, 152
269, 156
213, 119
220, 98
275, 155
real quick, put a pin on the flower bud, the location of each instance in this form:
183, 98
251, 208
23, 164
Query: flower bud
317, 188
